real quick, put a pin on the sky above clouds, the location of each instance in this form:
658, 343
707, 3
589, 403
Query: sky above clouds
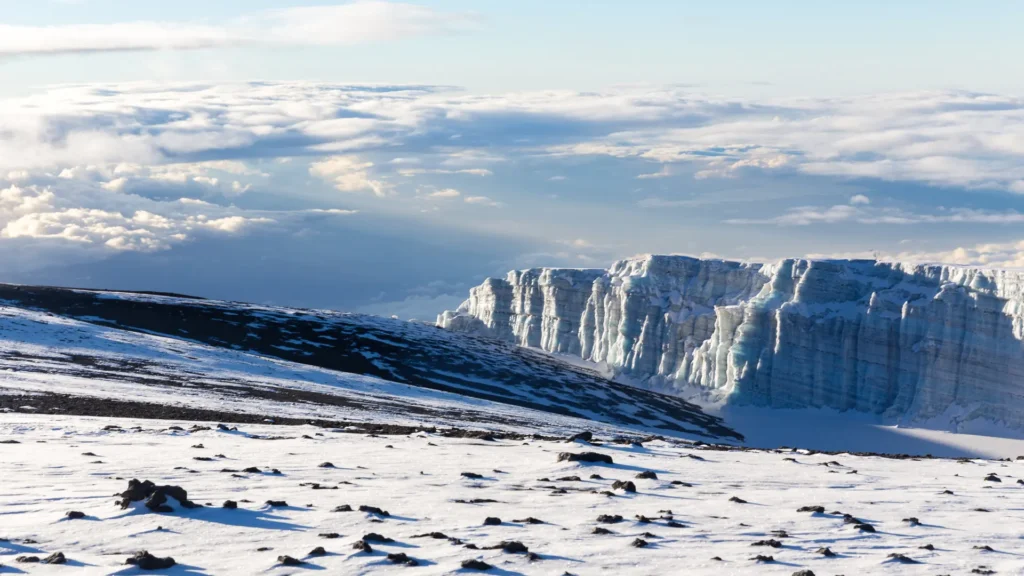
384, 157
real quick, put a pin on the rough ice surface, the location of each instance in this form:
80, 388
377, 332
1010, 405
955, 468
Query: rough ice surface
925, 344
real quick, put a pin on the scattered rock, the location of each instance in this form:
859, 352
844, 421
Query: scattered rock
289, 561
475, 565
434, 535
584, 436
586, 457
329, 535
913, 521
252, 470
530, 520
155, 496
803, 573
55, 558
401, 558
374, 510
812, 509
986, 548
277, 503
624, 485
927, 547
992, 478
326, 465
738, 500
600, 530
146, 561
639, 543
318, 551
865, 527
761, 558
374, 537
609, 519
826, 552
902, 559
647, 475
770, 542
510, 547
342, 508
362, 546
472, 475
492, 521
28, 559
75, 515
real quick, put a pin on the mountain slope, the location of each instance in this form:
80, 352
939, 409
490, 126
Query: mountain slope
163, 349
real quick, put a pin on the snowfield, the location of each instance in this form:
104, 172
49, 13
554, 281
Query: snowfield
51, 465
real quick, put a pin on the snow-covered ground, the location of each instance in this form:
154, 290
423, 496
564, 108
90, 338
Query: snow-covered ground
64, 464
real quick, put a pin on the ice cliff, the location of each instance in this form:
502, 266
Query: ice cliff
910, 342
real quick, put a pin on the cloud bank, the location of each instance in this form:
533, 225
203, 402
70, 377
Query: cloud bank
343, 24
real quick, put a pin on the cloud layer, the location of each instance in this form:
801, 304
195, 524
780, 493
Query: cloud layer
343, 24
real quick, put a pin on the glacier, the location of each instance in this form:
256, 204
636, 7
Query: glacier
912, 343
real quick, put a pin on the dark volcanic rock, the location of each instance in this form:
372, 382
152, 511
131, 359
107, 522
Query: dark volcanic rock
510, 547
530, 520
276, 503
362, 546
318, 551
146, 561
624, 485
770, 542
373, 510
639, 543
75, 515
230, 505
27, 559
900, 558
374, 537
401, 558
647, 475
155, 496
329, 535
600, 530
55, 558
737, 500
609, 519
472, 475
492, 521
826, 552
475, 565
342, 508
289, 561
586, 457
812, 509
584, 436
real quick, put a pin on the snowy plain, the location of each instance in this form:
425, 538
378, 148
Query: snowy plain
63, 464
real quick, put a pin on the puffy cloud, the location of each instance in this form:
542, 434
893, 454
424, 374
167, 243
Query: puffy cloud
349, 174
349, 23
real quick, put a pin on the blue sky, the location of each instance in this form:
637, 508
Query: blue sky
386, 156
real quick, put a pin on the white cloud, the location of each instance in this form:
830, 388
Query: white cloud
482, 201
859, 199
665, 172
989, 255
445, 193
862, 214
349, 174
469, 171
349, 23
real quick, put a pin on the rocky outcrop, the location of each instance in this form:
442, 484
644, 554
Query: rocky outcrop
910, 342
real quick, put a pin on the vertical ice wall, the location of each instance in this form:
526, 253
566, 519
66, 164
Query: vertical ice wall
886, 338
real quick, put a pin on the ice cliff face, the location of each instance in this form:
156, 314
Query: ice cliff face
910, 342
